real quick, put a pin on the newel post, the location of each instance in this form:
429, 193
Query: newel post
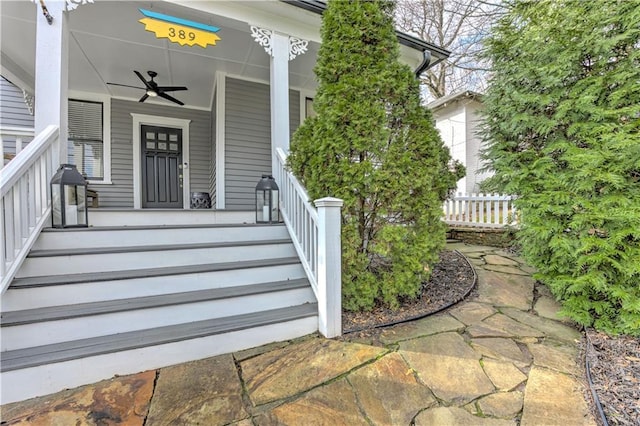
329, 266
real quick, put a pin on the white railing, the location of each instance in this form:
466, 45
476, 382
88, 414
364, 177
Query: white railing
315, 232
480, 210
25, 200
16, 136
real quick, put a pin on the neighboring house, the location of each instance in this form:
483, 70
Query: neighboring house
457, 117
152, 282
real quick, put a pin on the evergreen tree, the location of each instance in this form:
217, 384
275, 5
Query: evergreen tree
563, 129
373, 145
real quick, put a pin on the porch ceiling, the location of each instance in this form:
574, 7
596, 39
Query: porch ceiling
107, 43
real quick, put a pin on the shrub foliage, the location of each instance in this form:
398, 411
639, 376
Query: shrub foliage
373, 145
563, 123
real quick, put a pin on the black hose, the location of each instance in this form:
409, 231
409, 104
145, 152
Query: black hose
587, 364
420, 316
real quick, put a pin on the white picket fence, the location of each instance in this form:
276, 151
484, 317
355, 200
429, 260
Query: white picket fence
481, 210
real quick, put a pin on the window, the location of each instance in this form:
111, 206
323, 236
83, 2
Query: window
86, 147
308, 108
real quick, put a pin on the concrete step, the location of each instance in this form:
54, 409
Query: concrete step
131, 217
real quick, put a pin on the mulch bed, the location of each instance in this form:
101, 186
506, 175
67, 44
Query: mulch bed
451, 280
614, 366
614, 361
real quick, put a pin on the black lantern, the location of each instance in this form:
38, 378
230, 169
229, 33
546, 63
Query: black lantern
69, 198
267, 200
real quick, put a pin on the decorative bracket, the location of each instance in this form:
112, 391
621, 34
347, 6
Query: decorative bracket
263, 36
28, 100
70, 5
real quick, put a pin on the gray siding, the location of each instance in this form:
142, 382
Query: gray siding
248, 141
120, 193
248, 138
13, 113
14, 110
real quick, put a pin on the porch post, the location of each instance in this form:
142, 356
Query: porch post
329, 267
52, 63
282, 49
279, 79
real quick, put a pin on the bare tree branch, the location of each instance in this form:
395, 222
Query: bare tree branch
456, 25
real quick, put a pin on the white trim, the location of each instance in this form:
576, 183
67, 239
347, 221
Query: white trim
221, 93
156, 120
106, 131
304, 94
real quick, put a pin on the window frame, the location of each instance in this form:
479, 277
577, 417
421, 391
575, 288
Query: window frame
106, 131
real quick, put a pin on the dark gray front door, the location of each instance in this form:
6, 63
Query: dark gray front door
161, 167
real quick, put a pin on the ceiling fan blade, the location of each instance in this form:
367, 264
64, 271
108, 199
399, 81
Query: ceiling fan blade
126, 85
143, 98
171, 88
146, 83
169, 98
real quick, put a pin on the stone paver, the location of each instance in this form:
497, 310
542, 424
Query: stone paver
288, 371
198, 392
505, 290
447, 344
501, 349
389, 392
456, 416
494, 359
504, 375
423, 327
472, 312
122, 400
454, 380
553, 398
494, 259
502, 404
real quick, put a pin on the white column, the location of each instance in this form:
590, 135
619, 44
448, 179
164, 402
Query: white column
329, 266
279, 79
52, 63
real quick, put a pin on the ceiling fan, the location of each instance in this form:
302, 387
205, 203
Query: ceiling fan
152, 89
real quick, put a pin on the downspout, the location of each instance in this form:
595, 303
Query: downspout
426, 63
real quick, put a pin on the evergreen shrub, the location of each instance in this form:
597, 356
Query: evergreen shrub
563, 131
374, 145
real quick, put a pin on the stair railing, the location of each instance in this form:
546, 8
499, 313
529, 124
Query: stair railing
315, 231
25, 200
12, 140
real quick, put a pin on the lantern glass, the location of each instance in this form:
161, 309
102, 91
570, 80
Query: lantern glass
68, 198
267, 201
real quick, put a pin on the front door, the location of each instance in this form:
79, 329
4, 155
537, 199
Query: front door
161, 167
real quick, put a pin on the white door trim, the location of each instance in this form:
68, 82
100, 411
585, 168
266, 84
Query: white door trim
156, 120
221, 93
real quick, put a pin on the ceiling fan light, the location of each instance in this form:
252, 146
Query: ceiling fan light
152, 93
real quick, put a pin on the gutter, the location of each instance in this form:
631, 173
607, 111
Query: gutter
429, 50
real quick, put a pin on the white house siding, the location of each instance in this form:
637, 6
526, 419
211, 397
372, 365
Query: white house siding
248, 138
120, 192
474, 145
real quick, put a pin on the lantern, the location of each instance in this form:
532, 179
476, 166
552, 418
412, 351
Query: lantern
69, 198
267, 200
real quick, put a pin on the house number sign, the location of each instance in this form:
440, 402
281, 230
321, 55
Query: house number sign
178, 30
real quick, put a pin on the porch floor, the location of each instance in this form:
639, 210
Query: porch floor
473, 364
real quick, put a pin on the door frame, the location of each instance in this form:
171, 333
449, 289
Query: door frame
156, 120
